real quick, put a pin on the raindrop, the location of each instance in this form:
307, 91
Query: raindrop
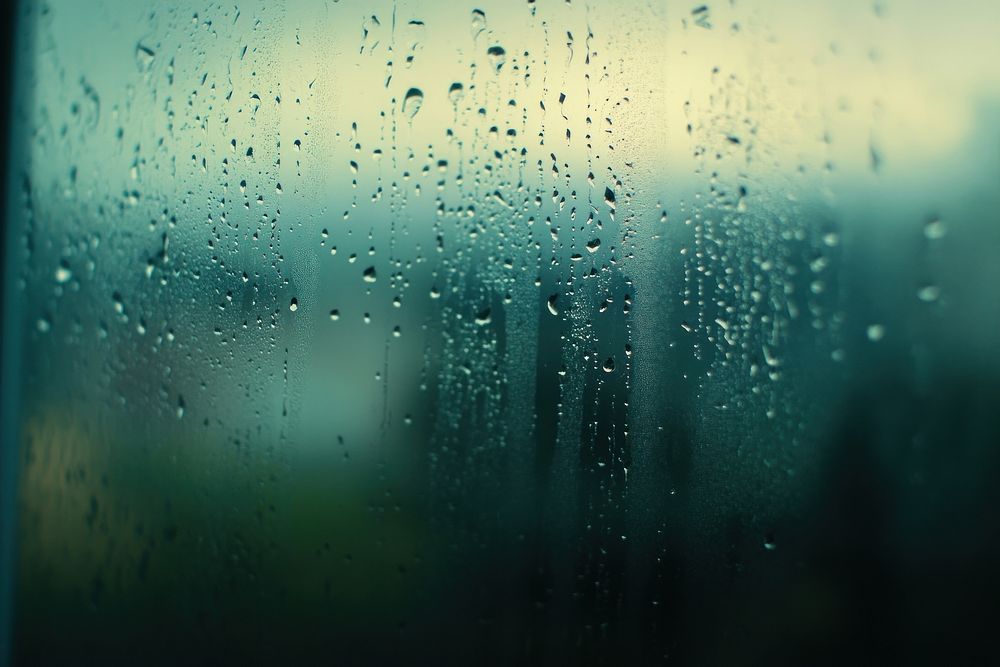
875, 332
369, 274
483, 317
63, 274
478, 22
609, 365
552, 304
609, 198
701, 17
413, 101
929, 293
294, 305
934, 229
144, 57
497, 57
456, 93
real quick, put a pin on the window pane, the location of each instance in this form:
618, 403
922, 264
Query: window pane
512, 331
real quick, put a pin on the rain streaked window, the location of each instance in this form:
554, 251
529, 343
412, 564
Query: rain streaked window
505, 332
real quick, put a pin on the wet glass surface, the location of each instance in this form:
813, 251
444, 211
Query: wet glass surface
508, 332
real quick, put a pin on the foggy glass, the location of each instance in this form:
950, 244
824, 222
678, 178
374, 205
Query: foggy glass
516, 332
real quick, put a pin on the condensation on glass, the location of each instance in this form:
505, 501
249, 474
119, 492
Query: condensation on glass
542, 331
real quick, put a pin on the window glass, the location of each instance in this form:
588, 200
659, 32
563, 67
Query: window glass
516, 331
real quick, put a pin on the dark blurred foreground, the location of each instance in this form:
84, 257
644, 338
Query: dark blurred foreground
890, 559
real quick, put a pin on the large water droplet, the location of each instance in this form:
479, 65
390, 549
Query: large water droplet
413, 101
144, 57
63, 273
609, 198
552, 304
929, 293
497, 57
478, 22
876, 332
934, 229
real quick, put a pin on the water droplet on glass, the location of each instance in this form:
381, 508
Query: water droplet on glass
875, 332
935, 229
63, 274
497, 57
478, 22
609, 198
552, 304
144, 57
929, 293
413, 101
701, 17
